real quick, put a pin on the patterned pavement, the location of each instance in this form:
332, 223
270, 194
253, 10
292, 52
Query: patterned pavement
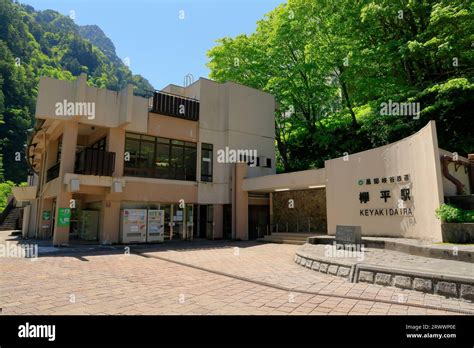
239, 278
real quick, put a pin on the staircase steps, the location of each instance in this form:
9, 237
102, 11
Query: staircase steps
10, 222
287, 238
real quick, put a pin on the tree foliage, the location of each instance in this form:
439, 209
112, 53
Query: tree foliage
331, 63
46, 43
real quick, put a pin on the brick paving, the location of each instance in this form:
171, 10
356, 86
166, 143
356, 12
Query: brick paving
111, 282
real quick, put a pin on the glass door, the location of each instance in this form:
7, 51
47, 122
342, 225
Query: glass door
167, 221
189, 221
178, 222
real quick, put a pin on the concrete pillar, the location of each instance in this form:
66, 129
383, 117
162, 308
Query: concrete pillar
110, 222
218, 219
61, 234
240, 202
68, 150
68, 159
116, 143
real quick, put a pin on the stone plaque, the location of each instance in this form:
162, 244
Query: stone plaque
348, 234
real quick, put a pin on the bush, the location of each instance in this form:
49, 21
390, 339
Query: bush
5, 191
451, 213
469, 216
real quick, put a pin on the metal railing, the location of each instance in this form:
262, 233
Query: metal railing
95, 162
298, 225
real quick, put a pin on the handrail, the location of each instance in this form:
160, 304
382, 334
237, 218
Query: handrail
283, 226
170, 94
445, 159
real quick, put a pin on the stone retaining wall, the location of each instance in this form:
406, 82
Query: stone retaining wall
429, 283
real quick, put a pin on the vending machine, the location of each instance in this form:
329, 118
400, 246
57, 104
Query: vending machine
156, 226
134, 225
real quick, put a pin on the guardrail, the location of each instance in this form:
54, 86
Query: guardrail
176, 106
299, 225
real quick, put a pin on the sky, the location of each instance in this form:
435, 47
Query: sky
159, 43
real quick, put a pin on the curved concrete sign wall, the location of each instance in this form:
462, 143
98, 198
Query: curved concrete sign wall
391, 191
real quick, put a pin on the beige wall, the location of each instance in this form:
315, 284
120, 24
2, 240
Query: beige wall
295, 181
240, 203
417, 156
112, 109
153, 190
231, 115
172, 128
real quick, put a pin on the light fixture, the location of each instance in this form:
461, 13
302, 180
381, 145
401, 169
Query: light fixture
283, 189
117, 186
316, 186
75, 185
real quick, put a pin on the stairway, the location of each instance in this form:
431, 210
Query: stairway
11, 220
287, 238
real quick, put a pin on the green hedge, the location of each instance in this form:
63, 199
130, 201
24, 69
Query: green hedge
451, 213
6, 190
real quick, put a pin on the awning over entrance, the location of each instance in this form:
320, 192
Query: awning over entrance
306, 179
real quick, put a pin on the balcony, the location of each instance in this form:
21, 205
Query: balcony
95, 162
175, 106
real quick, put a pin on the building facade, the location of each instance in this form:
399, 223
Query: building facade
199, 162
95, 150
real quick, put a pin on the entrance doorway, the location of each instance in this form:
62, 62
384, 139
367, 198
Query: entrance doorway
206, 219
259, 218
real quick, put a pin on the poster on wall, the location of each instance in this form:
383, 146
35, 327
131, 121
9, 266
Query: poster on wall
64, 217
46, 215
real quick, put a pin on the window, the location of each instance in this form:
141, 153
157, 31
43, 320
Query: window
269, 163
99, 144
206, 162
161, 158
59, 150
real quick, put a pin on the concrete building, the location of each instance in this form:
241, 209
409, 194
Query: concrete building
106, 152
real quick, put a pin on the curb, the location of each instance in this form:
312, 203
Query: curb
426, 282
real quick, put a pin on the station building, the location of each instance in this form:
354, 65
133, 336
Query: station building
203, 157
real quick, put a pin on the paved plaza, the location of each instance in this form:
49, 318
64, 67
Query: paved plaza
199, 277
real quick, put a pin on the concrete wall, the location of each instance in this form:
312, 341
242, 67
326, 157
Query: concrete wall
112, 109
231, 115
417, 156
294, 181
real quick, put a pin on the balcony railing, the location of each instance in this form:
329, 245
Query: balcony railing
176, 106
52, 172
95, 162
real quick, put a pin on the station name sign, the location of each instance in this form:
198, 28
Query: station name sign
382, 191
387, 212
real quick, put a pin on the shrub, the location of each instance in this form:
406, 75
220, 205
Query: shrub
469, 216
5, 191
451, 213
